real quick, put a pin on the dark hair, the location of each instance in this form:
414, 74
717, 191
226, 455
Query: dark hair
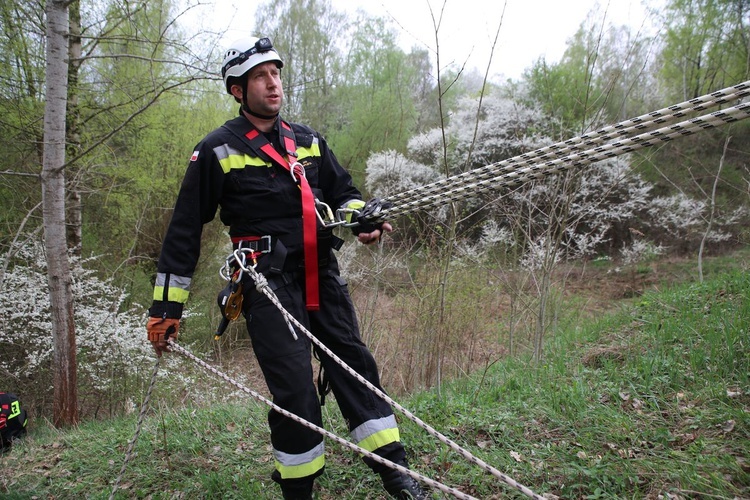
237, 80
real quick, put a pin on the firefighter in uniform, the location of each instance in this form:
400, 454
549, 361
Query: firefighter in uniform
263, 174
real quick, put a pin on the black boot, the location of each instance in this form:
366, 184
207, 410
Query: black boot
295, 489
297, 493
402, 486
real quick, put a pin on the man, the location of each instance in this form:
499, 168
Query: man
266, 175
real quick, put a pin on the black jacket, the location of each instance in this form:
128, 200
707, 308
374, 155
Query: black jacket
256, 197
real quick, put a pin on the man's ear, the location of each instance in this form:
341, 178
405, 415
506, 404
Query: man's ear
236, 90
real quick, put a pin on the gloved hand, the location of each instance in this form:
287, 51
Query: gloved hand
160, 330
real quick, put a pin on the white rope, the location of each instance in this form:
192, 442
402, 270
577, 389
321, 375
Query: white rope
262, 286
536, 171
447, 489
138, 427
624, 128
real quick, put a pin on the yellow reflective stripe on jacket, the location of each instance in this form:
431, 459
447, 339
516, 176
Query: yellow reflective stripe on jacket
313, 150
293, 466
373, 434
353, 205
230, 158
177, 288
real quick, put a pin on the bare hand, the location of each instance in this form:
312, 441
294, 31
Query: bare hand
374, 237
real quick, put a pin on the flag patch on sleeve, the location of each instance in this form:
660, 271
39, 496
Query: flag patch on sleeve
195, 156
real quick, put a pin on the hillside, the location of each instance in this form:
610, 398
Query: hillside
652, 401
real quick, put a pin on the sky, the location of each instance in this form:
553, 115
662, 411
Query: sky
530, 28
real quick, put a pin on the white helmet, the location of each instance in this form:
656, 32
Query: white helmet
245, 54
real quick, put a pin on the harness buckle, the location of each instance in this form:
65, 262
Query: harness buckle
257, 244
265, 244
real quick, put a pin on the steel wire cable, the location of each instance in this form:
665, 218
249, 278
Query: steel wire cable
563, 148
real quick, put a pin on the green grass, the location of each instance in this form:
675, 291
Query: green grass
649, 401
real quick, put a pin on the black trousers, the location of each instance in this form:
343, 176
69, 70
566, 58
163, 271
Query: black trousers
287, 367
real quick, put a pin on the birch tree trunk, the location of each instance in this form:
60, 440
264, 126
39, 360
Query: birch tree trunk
74, 210
65, 406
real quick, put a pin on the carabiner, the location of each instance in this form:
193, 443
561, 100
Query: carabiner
294, 166
347, 217
325, 214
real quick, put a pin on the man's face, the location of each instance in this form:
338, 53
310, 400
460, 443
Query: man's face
264, 92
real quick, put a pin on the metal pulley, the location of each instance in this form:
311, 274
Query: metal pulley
230, 305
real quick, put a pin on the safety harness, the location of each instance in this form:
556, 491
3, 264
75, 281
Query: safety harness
261, 146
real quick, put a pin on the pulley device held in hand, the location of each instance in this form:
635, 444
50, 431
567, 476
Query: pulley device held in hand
373, 210
372, 215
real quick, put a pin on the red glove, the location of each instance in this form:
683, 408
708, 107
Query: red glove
160, 330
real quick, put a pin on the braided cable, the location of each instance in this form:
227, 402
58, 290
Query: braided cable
262, 286
537, 171
138, 427
561, 149
447, 489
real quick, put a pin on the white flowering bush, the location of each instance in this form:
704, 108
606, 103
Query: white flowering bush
505, 129
110, 341
679, 221
495, 234
677, 214
389, 172
539, 255
640, 250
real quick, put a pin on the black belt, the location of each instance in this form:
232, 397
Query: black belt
272, 245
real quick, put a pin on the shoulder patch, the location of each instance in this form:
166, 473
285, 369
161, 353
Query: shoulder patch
195, 156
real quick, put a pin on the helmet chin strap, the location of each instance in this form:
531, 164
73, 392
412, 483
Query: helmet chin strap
247, 109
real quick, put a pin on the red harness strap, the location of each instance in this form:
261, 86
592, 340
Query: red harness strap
309, 216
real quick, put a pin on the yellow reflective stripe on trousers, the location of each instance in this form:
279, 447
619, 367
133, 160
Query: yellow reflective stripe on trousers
294, 466
373, 434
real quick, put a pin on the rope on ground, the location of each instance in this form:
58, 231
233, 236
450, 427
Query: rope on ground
138, 427
262, 286
447, 489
